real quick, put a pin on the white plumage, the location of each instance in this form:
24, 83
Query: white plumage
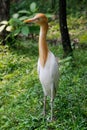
49, 74
47, 63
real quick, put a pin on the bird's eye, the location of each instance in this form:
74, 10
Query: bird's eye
38, 19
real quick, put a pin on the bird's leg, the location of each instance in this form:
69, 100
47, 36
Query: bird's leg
51, 110
52, 97
44, 105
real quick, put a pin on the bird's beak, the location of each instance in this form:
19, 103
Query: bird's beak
29, 20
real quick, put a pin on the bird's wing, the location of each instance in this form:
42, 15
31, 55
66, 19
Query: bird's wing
38, 68
55, 71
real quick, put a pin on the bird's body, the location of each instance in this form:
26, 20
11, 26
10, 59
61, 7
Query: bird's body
47, 63
48, 74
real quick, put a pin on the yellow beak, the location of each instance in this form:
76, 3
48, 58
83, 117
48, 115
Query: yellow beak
29, 20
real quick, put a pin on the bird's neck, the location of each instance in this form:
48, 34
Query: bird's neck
43, 48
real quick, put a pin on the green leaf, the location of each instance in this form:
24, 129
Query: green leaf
16, 15
14, 21
24, 12
23, 18
33, 7
25, 30
34, 29
16, 32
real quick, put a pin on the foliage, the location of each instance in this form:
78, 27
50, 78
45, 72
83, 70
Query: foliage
83, 37
15, 25
77, 30
46, 6
21, 93
75, 10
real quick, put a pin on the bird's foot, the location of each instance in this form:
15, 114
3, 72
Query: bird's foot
51, 119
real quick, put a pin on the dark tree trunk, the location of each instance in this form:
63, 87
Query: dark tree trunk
63, 28
53, 4
4, 9
4, 15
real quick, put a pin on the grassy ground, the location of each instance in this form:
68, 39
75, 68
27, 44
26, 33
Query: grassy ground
21, 95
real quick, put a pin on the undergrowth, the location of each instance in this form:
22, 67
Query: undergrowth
21, 95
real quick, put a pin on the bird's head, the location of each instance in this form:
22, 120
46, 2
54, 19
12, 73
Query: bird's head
38, 18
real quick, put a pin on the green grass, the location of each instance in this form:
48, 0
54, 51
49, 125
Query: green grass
21, 95
76, 26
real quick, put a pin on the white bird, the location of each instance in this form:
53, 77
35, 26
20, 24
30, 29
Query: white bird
47, 63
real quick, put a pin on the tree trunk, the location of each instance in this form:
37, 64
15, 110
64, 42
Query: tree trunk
63, 28
4, 9
53, 4
4, 15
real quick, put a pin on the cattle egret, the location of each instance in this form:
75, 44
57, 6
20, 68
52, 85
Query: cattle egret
47, 62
